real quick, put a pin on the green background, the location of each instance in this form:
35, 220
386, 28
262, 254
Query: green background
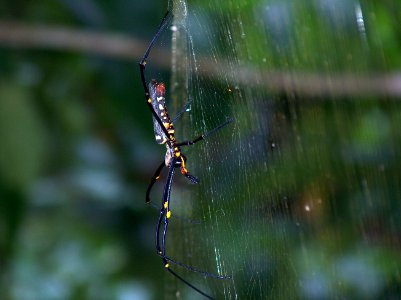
299, 197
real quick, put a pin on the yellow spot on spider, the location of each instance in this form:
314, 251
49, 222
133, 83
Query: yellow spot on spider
149, 100
166, 265
165, 204
169, 214
178, 154
167, 125
157, 178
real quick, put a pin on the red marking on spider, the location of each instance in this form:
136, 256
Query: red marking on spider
160, 90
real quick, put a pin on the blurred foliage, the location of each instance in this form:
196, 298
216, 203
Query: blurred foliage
299, 198
308, 205
75, 161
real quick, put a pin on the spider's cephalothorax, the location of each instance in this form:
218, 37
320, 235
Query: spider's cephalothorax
165, 134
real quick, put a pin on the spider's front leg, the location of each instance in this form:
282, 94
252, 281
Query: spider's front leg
142, 67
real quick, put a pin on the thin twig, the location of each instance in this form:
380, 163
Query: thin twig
13, 34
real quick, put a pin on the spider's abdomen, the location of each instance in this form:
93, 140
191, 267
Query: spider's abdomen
157, 95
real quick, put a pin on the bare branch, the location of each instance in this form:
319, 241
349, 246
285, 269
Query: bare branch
19, 35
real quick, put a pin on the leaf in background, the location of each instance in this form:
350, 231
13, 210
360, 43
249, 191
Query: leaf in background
22, 137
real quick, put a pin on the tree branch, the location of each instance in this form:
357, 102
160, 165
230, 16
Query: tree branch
17, 35
118, 46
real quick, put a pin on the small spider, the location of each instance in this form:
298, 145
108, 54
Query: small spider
165, 134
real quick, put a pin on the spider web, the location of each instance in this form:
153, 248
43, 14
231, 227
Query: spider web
223, 160
284, 194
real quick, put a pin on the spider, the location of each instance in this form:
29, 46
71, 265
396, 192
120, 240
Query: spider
174, 158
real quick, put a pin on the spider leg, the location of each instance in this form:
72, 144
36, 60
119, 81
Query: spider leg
204, 273
189, 284
155, 177
183, 109
142, 63
164, 216
142, 67
165, 213
191, 178
205, 135
185, 172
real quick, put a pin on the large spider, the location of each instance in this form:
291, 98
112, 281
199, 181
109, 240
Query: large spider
164, 134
